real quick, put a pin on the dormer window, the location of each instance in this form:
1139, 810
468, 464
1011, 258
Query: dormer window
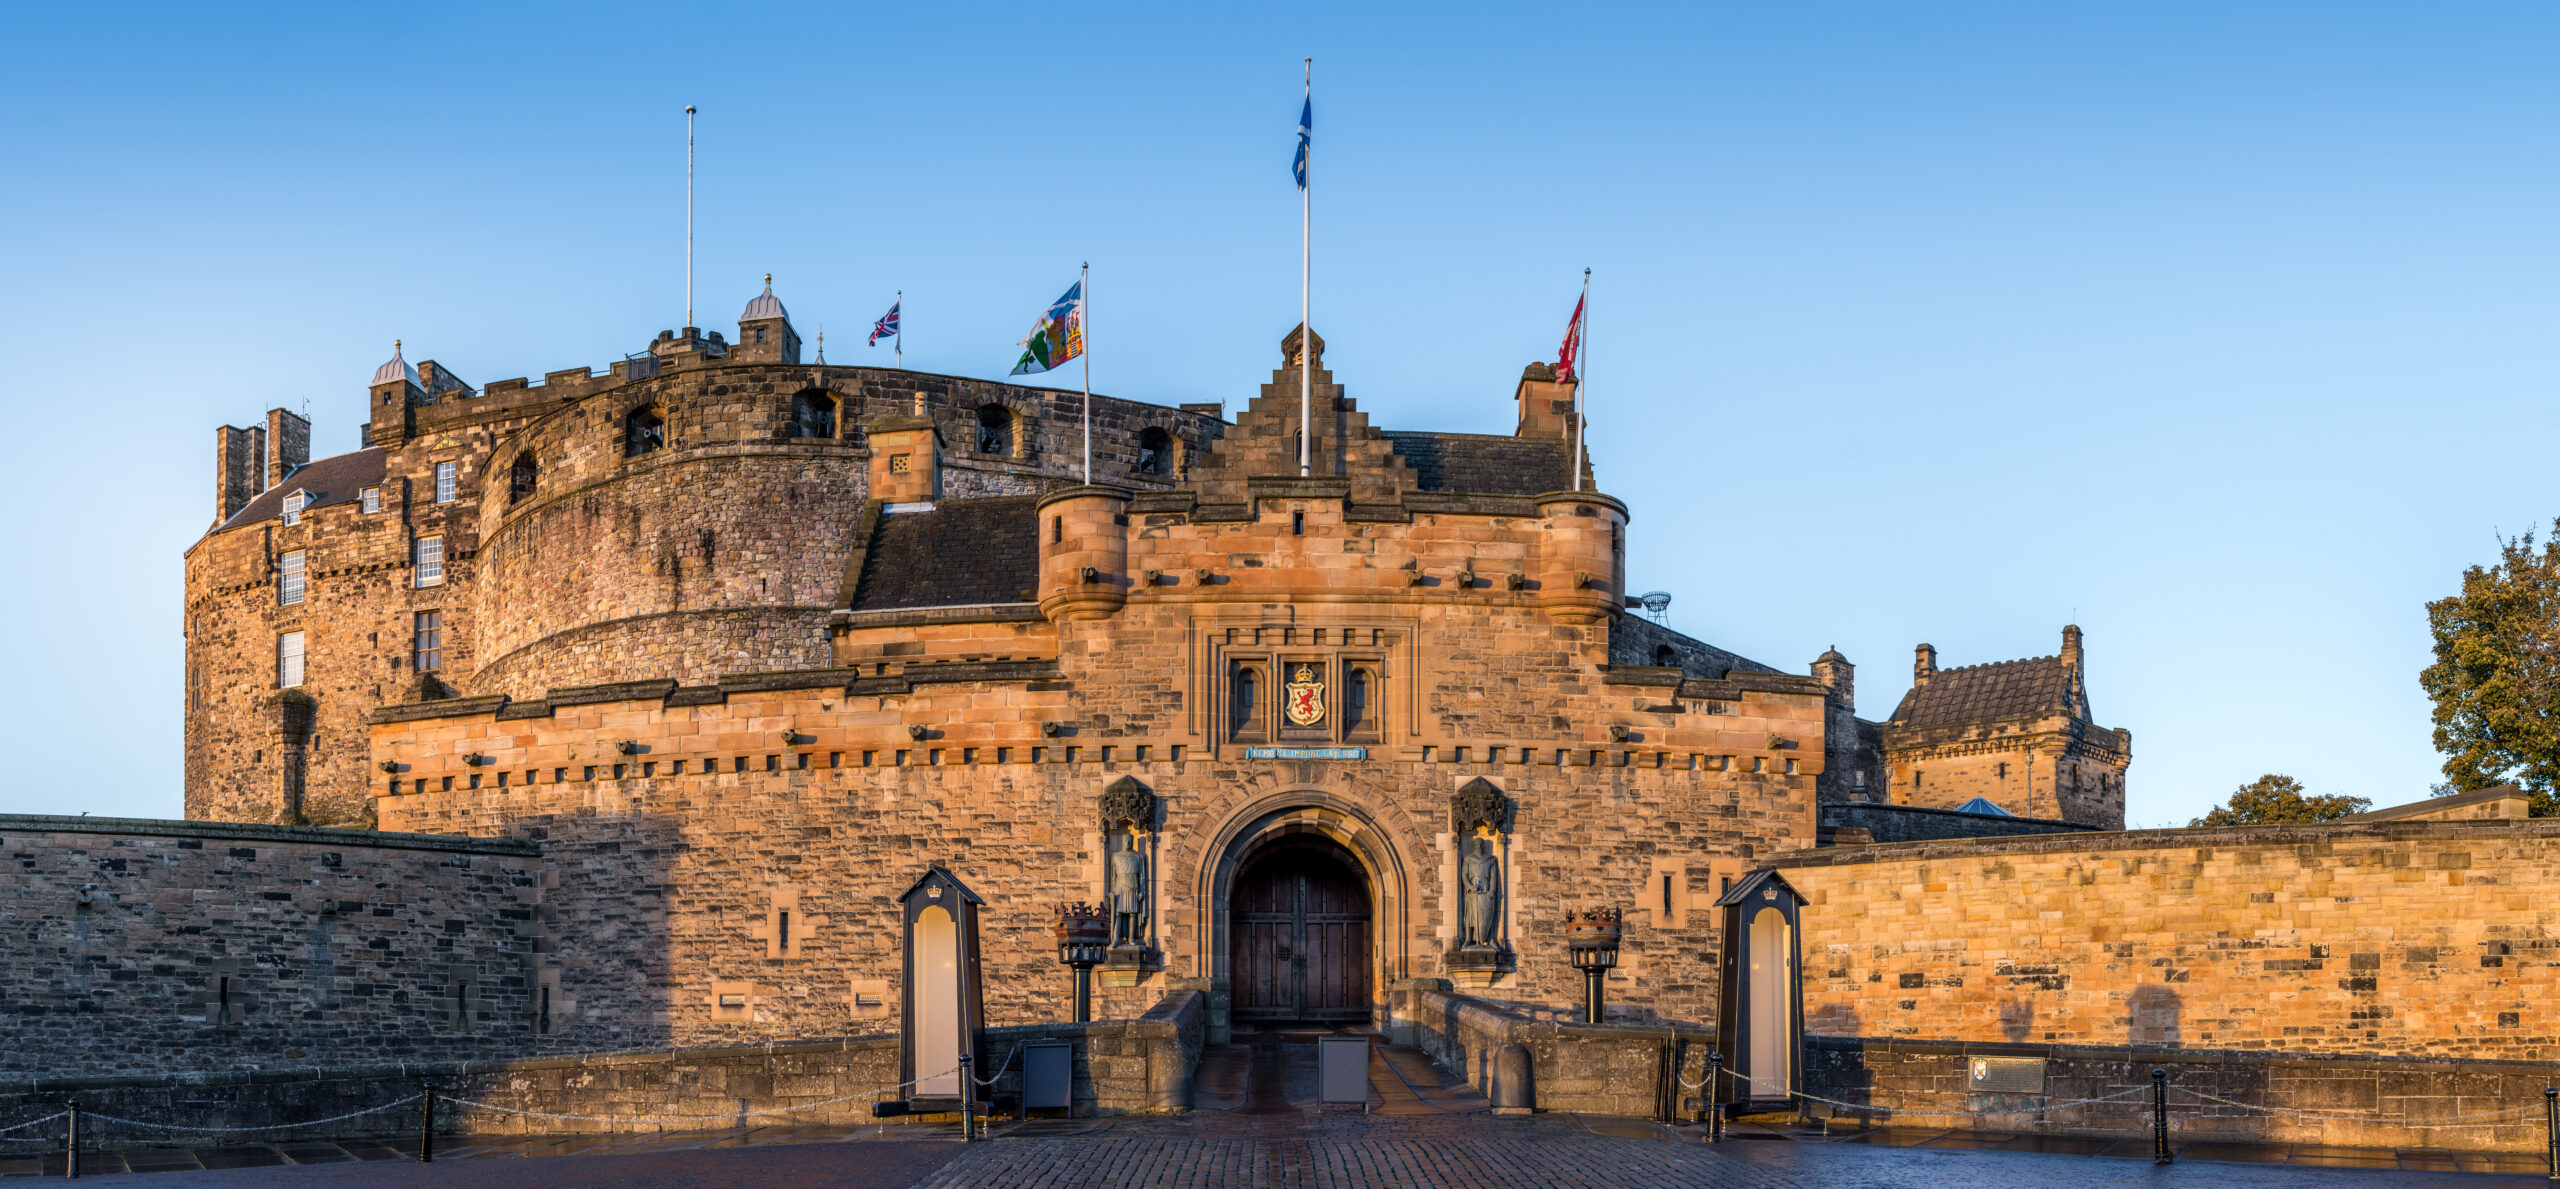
643, 432
294, 503
446, 482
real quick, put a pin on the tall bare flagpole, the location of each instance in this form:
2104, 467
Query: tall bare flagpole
688, 216
1581, 353
1306, 257
1084, 320
898, 341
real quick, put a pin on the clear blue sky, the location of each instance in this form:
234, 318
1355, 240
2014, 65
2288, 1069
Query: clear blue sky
2223, 330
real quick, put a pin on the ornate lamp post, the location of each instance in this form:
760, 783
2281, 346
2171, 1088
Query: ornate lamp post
1084, 940
1592, 936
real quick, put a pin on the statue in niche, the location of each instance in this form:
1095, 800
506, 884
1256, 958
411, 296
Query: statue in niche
1128, 818
1128, 892
1480, 882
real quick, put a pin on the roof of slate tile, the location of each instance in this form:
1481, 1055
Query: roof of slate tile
962, 553
1487, 464
334, 480
2005, 689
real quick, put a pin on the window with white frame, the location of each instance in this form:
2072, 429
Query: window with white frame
444, 483
293, 505
430, 561
289, 578
372, 497
288, 660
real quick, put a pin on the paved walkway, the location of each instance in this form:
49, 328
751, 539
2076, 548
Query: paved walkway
1259, 1126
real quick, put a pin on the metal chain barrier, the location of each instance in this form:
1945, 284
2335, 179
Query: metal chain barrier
2359, 1117
990, 1079
724, 1115
269, 1127
33, 1122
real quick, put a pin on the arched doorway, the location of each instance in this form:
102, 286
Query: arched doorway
1298, 930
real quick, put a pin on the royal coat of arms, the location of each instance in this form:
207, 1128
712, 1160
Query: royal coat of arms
1306, 696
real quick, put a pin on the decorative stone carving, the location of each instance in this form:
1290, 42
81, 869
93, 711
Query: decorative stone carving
1128, 805
1479, 803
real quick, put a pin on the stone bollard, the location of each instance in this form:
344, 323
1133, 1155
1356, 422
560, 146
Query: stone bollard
1511, 1089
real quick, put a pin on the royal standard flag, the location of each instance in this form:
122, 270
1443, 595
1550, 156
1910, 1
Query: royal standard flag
1058, 336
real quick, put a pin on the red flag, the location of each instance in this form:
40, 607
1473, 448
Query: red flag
1568, 354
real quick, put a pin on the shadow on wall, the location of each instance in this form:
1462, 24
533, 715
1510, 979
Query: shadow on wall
2151, 1017
2017, 1019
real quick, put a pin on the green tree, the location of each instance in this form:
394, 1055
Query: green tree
2273, 800
2496, 677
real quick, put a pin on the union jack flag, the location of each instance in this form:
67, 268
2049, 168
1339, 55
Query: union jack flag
886, 327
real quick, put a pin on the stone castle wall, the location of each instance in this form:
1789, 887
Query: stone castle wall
143, 946
677, 856
2414, 938
720, 553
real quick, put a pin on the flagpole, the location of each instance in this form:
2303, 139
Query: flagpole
1581, 354
1084, 344
898, 341
1306, 257
688, 216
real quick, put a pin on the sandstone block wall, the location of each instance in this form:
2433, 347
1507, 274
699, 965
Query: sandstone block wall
2346, 1101
155, 946
1573, 1066
674, 858
2411, 938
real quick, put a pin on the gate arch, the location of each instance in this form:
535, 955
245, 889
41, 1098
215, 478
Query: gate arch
1296, 812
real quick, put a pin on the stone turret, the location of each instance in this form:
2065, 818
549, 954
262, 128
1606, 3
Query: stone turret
1581, 570
764, 330
1084, 552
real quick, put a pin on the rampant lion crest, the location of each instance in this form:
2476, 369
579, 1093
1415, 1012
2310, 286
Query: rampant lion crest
1306, 696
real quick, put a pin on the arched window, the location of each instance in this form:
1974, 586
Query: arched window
522, 477
643, 432
995, 430
813, 415
1665, 656
1244, 717
1155, 452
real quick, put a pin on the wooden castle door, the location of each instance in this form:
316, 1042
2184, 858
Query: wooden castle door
1298, 929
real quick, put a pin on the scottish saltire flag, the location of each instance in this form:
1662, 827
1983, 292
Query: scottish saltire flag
1057, 337
887, 326
1306, 120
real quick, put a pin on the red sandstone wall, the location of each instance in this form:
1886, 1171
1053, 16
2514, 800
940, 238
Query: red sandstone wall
2410, 938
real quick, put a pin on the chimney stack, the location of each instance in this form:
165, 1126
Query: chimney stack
237, 470
288, 444
1924, 662
2071, 646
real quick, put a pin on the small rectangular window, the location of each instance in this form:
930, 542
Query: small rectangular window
372, 497
430, 561
289, 581
429, 654
444, 483
289, 660
293, 508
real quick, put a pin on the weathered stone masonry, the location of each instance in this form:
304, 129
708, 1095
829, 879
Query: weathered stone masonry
154, 946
